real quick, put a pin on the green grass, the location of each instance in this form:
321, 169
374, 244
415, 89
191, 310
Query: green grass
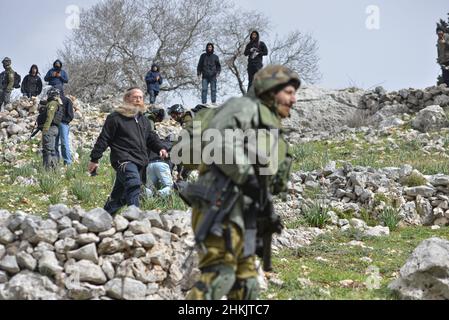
341, 262
390, 218
82, 191
315, 155
72, 185
316, 216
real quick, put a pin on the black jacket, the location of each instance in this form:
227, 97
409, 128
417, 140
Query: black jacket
261, 49
129, 140
154, 156
209, 65
68, 110
32, 86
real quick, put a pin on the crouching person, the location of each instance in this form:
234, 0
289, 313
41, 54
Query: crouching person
159, 174
128, 134
53, 117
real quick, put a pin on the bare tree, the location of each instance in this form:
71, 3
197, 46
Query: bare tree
297, 50
118, 40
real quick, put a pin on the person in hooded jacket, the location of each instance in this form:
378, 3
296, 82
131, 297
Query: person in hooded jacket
32, 83
128, 134
255, 51
56, 77
154, 81
209, 68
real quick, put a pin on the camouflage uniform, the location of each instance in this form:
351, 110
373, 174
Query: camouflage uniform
227, 268
8, 83
49, 133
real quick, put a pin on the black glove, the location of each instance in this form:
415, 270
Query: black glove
251, 188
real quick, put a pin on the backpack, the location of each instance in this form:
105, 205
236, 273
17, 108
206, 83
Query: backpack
203, 117
42, 115
17, 80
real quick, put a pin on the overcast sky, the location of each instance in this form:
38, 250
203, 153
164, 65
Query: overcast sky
401, 53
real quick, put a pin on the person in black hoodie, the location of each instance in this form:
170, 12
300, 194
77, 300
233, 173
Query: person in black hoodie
127, 133
255, 50
209, 67
32, 83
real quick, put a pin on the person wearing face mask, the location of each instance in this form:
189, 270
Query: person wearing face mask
255, 51
56, 77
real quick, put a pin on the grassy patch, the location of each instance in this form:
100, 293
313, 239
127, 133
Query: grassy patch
328, 261
390, 218
391, 152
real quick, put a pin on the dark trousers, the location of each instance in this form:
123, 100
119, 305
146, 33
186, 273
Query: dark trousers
252, 70
213, 90
446, 76
129, 178
5, 97
50, 159
153, 95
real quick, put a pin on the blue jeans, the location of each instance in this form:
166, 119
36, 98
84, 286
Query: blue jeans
213, 89
126, 189
159, 175
63, 137
153, 94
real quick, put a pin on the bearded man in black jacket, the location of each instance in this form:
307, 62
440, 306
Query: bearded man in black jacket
128, 133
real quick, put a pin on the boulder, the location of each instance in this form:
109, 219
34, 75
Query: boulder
432, 118
425, 275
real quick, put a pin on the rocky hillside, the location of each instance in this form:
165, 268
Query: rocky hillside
368, 165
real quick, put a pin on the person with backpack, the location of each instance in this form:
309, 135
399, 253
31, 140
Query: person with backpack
56, 77
63, 138
233, 217
154, 81
9, 80
209, 68
255, 51
32, 83
443, 53
51, 117
127, 133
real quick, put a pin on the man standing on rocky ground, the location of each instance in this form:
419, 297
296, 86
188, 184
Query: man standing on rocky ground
255, 51
63, 138
54, 115
209, 68
32, 83
227, 261
443, 53
56, 77
6, 83
127, 132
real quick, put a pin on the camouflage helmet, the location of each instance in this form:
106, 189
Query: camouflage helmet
177, 108
53, 93
274, 76
6, 61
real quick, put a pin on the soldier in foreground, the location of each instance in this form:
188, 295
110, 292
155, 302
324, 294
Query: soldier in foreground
232, 204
